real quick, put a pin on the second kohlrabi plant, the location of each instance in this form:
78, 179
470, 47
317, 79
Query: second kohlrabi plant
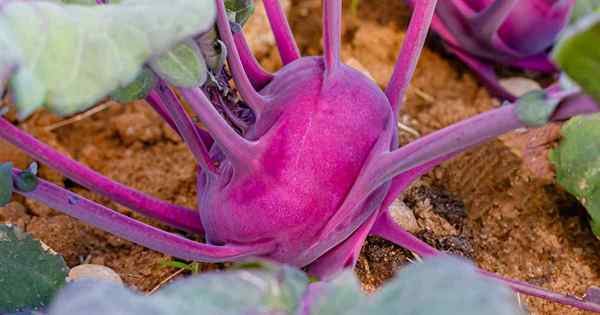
516, 33
299, 169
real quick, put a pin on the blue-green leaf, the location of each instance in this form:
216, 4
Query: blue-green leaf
274, 291
30, 273
535, 108
577, 163
136, 90
239, 11
183, 66
6, 183
578, 53
70, 56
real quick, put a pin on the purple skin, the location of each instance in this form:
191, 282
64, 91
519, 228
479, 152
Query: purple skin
509, 32
310, 179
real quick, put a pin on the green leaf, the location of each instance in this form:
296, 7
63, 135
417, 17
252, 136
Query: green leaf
183, 66
444, 285
583, 8
535, 108
440, 285
577, 163
271, 291
30, 273
26, 181
136, 90
578, 54
344, 291
6, 183
70, 56
239, 11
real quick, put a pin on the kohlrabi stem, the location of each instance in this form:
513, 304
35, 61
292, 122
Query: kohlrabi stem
256, 73
186, 127
484, 71
254, 100
239, 150
409, 53
486, 23
457, 137
153, 99
176, 216
386, 228
332, 32
288, 50
463, 135
135, 231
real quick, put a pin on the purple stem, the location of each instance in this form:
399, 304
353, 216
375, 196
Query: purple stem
187, 129
487, 22
254, 100
332, 23
135, 231
239, 150
461, 136
288, 50
484, 71
388, 229
256, 74
412, 46
153, 99
176, 216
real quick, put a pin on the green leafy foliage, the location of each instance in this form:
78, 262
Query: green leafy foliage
583, 8
182, 66
70, 56
578, 53
30, 273
577, 163
443, 285
6, 183
277, 289
239, 11
535, 108
138, 89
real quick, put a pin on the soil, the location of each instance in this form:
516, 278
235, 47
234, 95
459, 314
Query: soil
496, 204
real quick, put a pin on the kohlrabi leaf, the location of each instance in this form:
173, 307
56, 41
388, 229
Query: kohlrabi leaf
273, 291
27, 180
30, 273
445, 285
183, 66
535, 108
239, 11
578, 53
441, 285
138, 89
70, 56
577, 163
583, 8
6, 183
340, 294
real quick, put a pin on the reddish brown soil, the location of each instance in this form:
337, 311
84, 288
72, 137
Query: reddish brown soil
494, 204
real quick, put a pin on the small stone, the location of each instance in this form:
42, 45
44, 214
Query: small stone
94, 272
519, 86
404, 216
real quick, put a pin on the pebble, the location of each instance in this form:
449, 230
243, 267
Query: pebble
519, 86
404, 216
95, 272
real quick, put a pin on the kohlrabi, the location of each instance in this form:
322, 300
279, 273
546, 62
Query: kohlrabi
300, 168
514, 33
